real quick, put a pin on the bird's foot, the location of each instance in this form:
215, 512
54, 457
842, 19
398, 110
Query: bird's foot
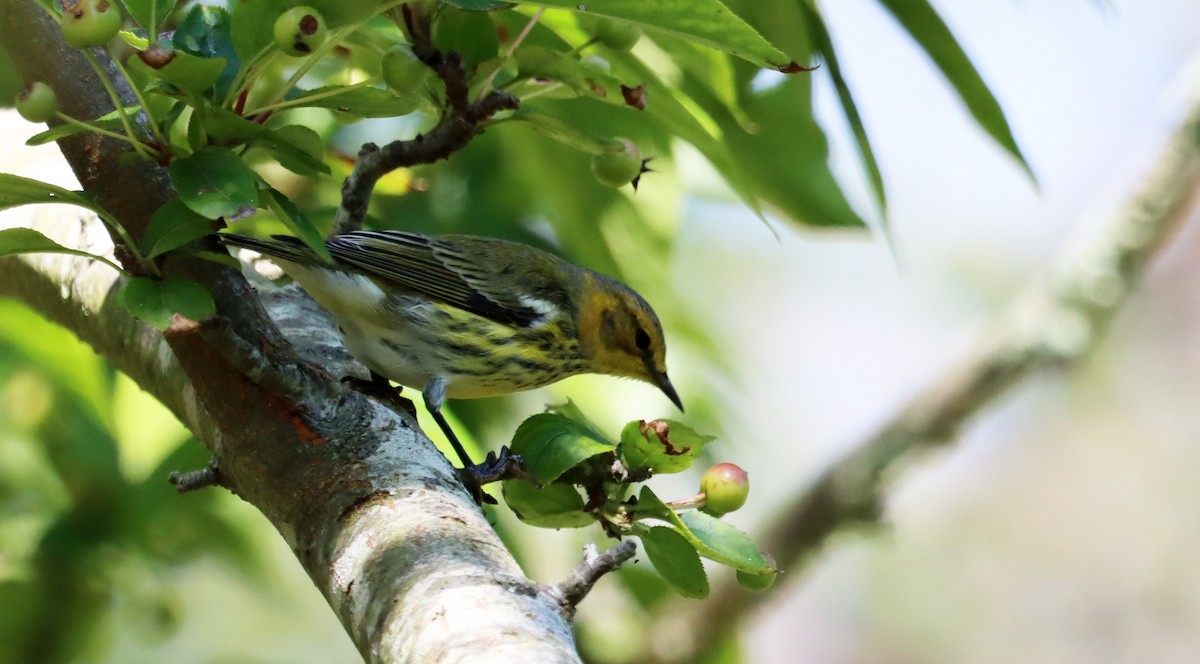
496, 467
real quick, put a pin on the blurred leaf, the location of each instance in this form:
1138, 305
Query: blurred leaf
663, 446
676, 560
552, 444
922, 22
15, 241
824, 45
362, 101
214, 182
706, 22
564, 132
149, 13
172, 226
16, 190
555, 65
157, 300
552, 506
469, 33
475, 5
108, 121
289, 214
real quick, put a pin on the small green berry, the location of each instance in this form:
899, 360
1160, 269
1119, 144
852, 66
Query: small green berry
300, 31
403, 72
37, 102
617, 35
87, 23
618, 167
725, 488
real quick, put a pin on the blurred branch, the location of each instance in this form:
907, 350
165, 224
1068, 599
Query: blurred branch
372, 510
1049, 325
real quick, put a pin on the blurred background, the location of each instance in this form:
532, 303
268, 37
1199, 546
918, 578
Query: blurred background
1060, 528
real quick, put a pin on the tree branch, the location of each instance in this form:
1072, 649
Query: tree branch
1052, 323
373, 512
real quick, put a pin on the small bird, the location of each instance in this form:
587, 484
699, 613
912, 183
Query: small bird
460, 316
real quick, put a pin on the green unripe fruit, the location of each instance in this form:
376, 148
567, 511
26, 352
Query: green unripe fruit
37, 102
87, 23
618, 167
403, 71
617, 35
300, 31
758, 581
725, 488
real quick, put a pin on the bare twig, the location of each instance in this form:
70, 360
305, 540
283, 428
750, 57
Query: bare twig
207, 476
462, 122
1051, 324
570, 591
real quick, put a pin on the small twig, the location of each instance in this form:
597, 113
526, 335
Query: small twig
512, 48
463, 121
569, 592
207, 476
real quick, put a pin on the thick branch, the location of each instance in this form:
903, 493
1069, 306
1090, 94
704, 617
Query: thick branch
374, 513
1052, 323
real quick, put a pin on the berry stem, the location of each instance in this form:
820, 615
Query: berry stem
512, 48
117, 103
158, 137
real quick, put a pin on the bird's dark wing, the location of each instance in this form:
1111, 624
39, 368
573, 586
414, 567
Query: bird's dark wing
473, 274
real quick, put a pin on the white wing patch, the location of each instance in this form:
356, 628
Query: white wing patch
545, 309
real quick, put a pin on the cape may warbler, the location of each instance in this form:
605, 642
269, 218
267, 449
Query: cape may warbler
462, 317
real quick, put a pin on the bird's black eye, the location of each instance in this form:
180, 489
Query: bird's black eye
641, 339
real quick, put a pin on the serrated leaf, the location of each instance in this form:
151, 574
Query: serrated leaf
214, 183
705, 22
301, 227
929, 30
676, 560
172, 226
712, 538
663, 446
552, 506
155, 301
552, 444
362, 101
823, 44
724, 543
149, 13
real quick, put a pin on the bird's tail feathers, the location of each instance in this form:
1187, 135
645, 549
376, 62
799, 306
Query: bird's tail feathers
277, 246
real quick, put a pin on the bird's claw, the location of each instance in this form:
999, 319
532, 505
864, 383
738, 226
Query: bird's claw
494, 468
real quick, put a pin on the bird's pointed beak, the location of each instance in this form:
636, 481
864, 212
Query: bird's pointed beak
664, 384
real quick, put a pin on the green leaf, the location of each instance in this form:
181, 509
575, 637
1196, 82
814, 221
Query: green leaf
16, 191
723, 543
205, 33
362, 101
549, 64
706, 22
476, 5
469, 33
714, 539
192, 74
922, 22
296, 148
564, 132
663, 446
149, 13
823, 44
156, 301
14, 241
552, 444
552, 506
172, 226
301, 227
109, 121
676, 560
214, 183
